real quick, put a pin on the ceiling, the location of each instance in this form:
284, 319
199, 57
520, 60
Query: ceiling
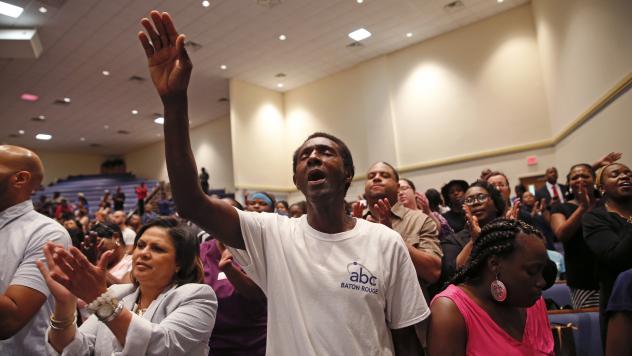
82, 38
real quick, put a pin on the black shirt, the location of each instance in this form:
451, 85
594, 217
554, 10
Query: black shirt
581, 263
609, 237
456, 219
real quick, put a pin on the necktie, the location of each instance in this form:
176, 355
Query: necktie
556, 194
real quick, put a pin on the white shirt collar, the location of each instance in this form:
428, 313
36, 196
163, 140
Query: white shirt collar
15, 212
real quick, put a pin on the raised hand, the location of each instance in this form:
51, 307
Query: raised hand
226, 259
472, 223
169, 63
422, 203
357, 208
513, 212
80, 277
585, 200
608, 159
383, 210
61, 294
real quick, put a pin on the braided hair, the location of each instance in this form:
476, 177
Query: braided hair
496, 238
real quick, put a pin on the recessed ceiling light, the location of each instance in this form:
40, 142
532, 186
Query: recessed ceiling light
29, 97
107, 127
134, 112
106, 72
409, 34
499, 1
82, 139
160, 120
21, 132
43, 10
206, 3
10, 10
66, 100
42, 117
280, 85
282, 37
359, 1
223, 67
360, 34
43, 137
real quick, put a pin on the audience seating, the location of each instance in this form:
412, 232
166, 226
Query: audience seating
93, 186
560, 294
586, 332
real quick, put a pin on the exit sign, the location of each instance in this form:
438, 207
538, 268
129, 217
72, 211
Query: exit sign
532, 160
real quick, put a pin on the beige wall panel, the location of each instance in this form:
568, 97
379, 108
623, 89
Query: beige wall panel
59, 165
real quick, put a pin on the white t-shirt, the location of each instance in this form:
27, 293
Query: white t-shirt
330, 294
128, 235
23, 234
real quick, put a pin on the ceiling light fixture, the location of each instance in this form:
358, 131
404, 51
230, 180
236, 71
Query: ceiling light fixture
106, 72
206, 3
66, 100
134, 112
282, 38
43, 137
107, 127
29, 97
223, 67
359, 1
82, 139
21, 132
160, 120
360, 34
500, 1
280, 85
43, 10
409, 34
10, 10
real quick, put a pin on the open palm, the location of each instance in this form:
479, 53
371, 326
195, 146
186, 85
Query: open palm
169, 64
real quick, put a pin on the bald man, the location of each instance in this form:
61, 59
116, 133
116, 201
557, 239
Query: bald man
25, 304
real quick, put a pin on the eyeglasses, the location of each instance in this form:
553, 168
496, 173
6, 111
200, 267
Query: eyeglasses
478, 198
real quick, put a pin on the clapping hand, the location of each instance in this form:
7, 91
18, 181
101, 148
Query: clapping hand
169, 63
357, 208
586, 200
226, 259
422, 203
383, 210
513, 212
472, 222
70, 272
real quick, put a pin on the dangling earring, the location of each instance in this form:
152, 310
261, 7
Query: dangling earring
498, 289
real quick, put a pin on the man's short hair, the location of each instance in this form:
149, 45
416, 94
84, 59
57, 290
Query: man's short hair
395, 173
347, 159
445, 190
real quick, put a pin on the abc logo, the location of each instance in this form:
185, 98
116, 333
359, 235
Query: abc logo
360, 274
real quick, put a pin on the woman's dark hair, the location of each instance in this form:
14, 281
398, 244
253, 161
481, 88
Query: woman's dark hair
186, 246
591, 170
494, 195
412, 185
497, 238
301, 205
284, 203
434, 199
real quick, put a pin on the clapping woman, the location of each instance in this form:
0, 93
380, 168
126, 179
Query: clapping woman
165, 310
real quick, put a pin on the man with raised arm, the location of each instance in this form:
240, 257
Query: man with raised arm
24, 307
335, 284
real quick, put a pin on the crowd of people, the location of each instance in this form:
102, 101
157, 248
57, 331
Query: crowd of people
458, 270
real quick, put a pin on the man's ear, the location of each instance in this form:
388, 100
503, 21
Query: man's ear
22, 179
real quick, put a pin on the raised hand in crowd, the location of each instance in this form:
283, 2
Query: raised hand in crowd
169, 64
422, 203
607, 159
472, 222
512, 213
383, 209
357, 208
586, 200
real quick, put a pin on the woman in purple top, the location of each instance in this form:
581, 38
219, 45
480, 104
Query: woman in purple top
240, 325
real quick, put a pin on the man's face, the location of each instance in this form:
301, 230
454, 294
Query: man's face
551, 175
381, 183
118, 217
320, 169
456, 194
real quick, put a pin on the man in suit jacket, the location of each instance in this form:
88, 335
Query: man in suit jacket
552, 192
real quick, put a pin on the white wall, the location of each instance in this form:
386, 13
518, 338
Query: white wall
585, 48
59, 165
260, 154
211, 145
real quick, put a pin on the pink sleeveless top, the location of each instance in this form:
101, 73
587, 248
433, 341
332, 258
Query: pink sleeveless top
485, 337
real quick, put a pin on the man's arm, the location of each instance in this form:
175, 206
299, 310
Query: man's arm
18, 305
426, 256
170, 69
406, 341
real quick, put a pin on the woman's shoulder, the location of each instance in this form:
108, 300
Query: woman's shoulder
194, 291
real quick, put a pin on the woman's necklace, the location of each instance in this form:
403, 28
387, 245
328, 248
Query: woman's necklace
628, 218
137, 309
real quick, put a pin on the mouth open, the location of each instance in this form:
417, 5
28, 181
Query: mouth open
316, 177
626, 185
